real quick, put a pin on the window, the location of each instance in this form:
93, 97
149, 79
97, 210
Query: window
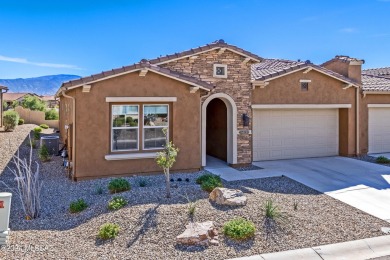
220, 71
124, 134
305, 84
155, 119
127, 131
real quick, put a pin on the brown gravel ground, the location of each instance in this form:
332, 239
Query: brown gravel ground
150, 222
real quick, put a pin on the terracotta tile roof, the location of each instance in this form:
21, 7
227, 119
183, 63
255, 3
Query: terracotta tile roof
14, 96
144, 64
47, 98
384, 72
3, 87
375, 83
207, 47
343, 58
270, 68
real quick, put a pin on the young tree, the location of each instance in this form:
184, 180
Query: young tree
33, 103
166, 159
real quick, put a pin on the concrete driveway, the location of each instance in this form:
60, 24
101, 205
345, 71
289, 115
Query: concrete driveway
363, 185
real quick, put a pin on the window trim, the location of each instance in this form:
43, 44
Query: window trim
143, 126
215, 71
112, 130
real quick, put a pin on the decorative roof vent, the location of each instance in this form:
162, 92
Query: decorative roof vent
219, 41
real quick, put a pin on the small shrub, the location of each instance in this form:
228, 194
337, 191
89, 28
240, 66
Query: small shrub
206, 177
108, 231
142, 182
118, 185
44, 126
37, 133
382, 160
31, 143
117, 203
99, 190
51, 114
77, 206
272, 211
210, 183
239, 229
295, 205
10, 120
191, 206
21, 121
43, 153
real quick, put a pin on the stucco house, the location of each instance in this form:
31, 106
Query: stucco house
217, 100
10, 98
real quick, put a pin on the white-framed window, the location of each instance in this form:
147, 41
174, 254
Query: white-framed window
155, 118
220, 71
125, 127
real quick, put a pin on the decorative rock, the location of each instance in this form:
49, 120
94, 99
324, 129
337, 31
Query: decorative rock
229, 197
203, 234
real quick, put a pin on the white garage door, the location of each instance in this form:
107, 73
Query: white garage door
378, 130
295, 133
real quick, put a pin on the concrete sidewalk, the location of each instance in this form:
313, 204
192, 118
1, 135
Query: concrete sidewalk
363, 249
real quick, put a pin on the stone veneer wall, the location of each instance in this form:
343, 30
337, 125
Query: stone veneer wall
237, 85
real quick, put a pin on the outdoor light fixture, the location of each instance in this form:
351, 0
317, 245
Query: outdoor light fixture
245, 119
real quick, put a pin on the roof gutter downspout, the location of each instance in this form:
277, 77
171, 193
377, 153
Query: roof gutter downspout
357, 122
73, 163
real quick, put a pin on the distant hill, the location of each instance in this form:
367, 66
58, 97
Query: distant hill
45, 85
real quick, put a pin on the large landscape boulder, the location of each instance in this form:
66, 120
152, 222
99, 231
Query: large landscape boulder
230, 197
202, 234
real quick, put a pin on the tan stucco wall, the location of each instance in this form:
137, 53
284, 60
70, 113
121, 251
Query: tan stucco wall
35, 117
364, 101
93, 125
322, 90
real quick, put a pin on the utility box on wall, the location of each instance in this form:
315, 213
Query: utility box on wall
5, 209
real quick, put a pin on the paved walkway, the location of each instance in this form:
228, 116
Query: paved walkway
363, 185
357, 250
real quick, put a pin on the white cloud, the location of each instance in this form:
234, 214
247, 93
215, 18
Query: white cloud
40, 64
348, 30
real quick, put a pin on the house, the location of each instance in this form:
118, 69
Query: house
381, 72
217, 100
3, 90
51, 101
10, 98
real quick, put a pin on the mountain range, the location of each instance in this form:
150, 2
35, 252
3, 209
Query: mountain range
45, 85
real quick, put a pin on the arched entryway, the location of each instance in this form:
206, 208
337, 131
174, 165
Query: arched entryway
219, 128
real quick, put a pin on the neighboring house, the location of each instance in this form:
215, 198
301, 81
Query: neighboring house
3, 90
50, 101
216, 100
382, 72
10, 98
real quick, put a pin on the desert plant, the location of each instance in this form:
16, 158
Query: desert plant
37, 132
10, 120
118, 185
77, 206
108, 231
191, 206
44, 126
166, 159
33, 103
99, 190
208, 182
239, 229
21, 121
117, 203
382, 160
31, 143
43, 153
142, 182
295, 205
272, 211
29, 184
207, 176
51, 114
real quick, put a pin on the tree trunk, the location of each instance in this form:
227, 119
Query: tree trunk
168, 183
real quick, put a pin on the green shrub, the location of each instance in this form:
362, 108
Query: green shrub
78, 206
142, 182
44, 126
239, 229
272, 211
108, 231
99, 190
382, 160
51, 114
33, 103
43, 153
208, 182
206, 177
117, 203
21, 121
11, 120
37, 132
118, 185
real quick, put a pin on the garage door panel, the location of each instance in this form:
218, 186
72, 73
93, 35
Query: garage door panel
378, 130
294, 133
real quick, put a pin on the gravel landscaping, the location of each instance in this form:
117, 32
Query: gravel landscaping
371, 159
149, 223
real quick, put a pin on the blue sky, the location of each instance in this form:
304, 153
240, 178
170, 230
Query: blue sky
85, 37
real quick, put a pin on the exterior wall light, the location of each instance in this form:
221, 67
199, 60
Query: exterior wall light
245, 119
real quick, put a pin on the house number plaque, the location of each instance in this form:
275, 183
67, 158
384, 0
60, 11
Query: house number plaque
245, 132
1, 204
